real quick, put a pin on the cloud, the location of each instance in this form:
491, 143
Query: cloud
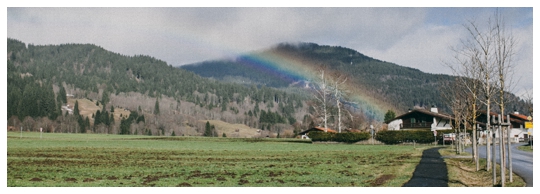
426, 48
414, 37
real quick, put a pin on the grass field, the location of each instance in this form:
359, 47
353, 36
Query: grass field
95, 160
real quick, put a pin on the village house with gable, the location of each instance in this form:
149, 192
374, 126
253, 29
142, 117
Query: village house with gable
421, 119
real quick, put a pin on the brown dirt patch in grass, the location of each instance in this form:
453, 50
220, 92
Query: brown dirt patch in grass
272, 174
382, 179
242, 181
184, 184
36, 179
88, 180
71, 179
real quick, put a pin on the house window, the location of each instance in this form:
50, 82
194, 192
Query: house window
413, 121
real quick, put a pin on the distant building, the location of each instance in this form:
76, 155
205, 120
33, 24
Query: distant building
66, 108
304, 134
421, 119
517, 126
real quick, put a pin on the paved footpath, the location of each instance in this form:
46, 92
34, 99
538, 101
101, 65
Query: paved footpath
430, 172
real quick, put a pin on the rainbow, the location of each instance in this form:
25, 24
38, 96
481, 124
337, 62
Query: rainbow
295, 69
288, 68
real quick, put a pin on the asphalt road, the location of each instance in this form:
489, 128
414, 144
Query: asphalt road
522, 162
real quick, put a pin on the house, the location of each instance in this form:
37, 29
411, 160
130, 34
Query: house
517, 126
518, 130
421, 119
68, 109
304, 134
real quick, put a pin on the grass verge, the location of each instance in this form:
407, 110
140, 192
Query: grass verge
526, 148
462, 171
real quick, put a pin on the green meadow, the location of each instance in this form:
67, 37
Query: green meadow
98, 160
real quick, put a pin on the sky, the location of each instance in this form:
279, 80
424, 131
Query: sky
418, 37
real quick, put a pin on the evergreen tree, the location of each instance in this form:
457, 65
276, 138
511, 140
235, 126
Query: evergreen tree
156, 107
124, 126
82, 123
389, 115
111, 119
208, 130
76, 108
86, 123
13, 97
97, 118
62, 96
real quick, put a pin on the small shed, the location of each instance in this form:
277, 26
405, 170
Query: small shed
304, 134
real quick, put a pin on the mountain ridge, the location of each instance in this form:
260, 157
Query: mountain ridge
37, 75
374, 82
334, 58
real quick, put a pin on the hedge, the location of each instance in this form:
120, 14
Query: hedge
396, 137
338, 137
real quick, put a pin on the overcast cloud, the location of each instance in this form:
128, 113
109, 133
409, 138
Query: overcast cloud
413, 37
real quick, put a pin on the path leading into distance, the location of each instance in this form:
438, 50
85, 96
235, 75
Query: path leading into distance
430, 172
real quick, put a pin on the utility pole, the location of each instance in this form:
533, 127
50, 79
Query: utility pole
493, 158
501, 148
507, 125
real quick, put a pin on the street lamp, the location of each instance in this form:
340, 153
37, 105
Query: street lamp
372, 134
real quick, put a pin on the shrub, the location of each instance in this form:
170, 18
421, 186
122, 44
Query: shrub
338, 137
396, 137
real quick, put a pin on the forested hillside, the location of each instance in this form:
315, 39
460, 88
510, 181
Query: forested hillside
387, 85
83, 88
169, 99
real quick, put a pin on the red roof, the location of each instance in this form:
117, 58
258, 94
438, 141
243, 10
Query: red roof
519, 116
318, 129
327, 129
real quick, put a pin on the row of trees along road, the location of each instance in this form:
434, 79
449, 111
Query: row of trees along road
483, 66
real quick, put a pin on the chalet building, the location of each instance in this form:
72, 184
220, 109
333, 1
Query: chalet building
517, 123
421, 119
304, 134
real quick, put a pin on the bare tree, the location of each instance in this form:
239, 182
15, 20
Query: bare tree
481, 43
485, 64
467, 74
504, 52
338, 85
322, 96
456, 97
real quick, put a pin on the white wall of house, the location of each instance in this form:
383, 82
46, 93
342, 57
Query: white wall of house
441, 124
521, 133
395, 125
